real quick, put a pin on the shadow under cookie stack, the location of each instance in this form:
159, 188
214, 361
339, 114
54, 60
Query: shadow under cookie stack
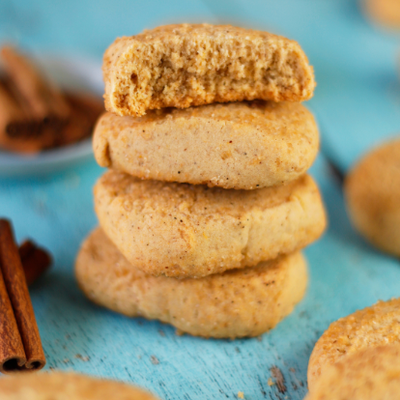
206, 204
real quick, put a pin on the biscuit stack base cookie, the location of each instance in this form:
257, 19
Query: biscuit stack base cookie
205, 209
372, 192
238, 303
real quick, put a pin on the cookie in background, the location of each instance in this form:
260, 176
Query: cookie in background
372, 194
372, 373
67, 386
370, 327
383, 12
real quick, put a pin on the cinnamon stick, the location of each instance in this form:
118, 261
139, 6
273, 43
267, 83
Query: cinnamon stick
12, 353
17, 131
85, 110
23, 328
41, 99
35, 260
34, 114
10, 112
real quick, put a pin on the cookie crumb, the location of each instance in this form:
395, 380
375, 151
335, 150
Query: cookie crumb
80, 357
280, 380
270, 382
240, 395
154, 360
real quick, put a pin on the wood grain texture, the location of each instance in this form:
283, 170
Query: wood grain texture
345, 275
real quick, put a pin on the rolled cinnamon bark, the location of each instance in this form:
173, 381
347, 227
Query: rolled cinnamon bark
12, 353
85, 110
18, 131
10, 113
25, 327
34, 114
42, 100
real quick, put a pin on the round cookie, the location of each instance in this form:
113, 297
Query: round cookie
67, 386
373, 326
383, 12
238, 303
371, 373
372, 192
234, 146
182, 230
194, 64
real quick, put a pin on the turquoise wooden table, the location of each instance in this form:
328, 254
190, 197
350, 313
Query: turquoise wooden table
357, 104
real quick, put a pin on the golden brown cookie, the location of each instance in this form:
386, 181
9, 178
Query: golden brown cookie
370, 327
237, 303
371, 373
190, 65
183, 230
384, 12
372, 192
67, 386
235, 146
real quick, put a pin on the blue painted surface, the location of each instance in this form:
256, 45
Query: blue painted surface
357, 104
345, 274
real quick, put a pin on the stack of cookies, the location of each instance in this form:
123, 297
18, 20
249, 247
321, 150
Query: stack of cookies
207, 201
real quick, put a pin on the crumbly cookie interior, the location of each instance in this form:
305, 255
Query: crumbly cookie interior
180, 71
